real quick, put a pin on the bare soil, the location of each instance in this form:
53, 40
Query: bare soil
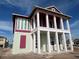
6, 54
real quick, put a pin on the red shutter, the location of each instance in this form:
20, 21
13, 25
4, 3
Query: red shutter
22, 41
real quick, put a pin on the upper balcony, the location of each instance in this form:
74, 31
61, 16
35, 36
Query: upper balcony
48, 20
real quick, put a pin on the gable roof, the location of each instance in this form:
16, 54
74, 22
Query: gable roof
47, 10
53, 7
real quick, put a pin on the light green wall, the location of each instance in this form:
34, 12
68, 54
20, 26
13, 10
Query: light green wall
16, 43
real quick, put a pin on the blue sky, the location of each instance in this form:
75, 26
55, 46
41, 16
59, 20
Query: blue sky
24, 7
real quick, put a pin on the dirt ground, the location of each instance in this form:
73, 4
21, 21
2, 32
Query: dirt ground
71, 55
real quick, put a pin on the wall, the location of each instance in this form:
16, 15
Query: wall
16, 43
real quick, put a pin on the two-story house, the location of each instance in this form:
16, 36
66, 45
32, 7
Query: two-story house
45, 30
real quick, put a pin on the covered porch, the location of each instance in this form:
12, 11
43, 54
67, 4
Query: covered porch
50, 42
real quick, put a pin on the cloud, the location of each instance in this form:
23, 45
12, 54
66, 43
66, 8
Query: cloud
1, 32
75, 29
74, 24
5, 25
65, 5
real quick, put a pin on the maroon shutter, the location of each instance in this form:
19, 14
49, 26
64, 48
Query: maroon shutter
22, 41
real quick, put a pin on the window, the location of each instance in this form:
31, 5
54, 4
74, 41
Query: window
51, 21
18, 23
23, 24
22, 41
29, 25
58, 22
65, 23
42, 19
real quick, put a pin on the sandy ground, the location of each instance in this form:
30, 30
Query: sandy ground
72, 55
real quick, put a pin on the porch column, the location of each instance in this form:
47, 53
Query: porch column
56, 35
64, 39
47, 21
38, 40
62, 23
55, 25
34, 42
57, 42
68, 27
71, 42
48, 39
34, 22
38, 21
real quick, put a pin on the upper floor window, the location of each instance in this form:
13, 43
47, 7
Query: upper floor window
58, 22
22, 24
51, 21
42, 17
65, 23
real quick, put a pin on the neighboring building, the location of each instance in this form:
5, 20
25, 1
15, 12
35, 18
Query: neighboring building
46, 30
3, 41
76, 42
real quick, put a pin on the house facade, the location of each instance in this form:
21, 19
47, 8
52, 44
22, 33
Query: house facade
46, 30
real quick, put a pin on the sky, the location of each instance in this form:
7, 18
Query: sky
24, 7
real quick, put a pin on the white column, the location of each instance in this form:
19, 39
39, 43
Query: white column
56, 35
38, 21
34, 42
55, 25
48, 39
57, 42
71, 42
64, 39
30, 24
68, 24
20, 24
38, 40
62, 23
34, 22
47, 21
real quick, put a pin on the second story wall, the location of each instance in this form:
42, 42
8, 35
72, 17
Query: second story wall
22, 23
